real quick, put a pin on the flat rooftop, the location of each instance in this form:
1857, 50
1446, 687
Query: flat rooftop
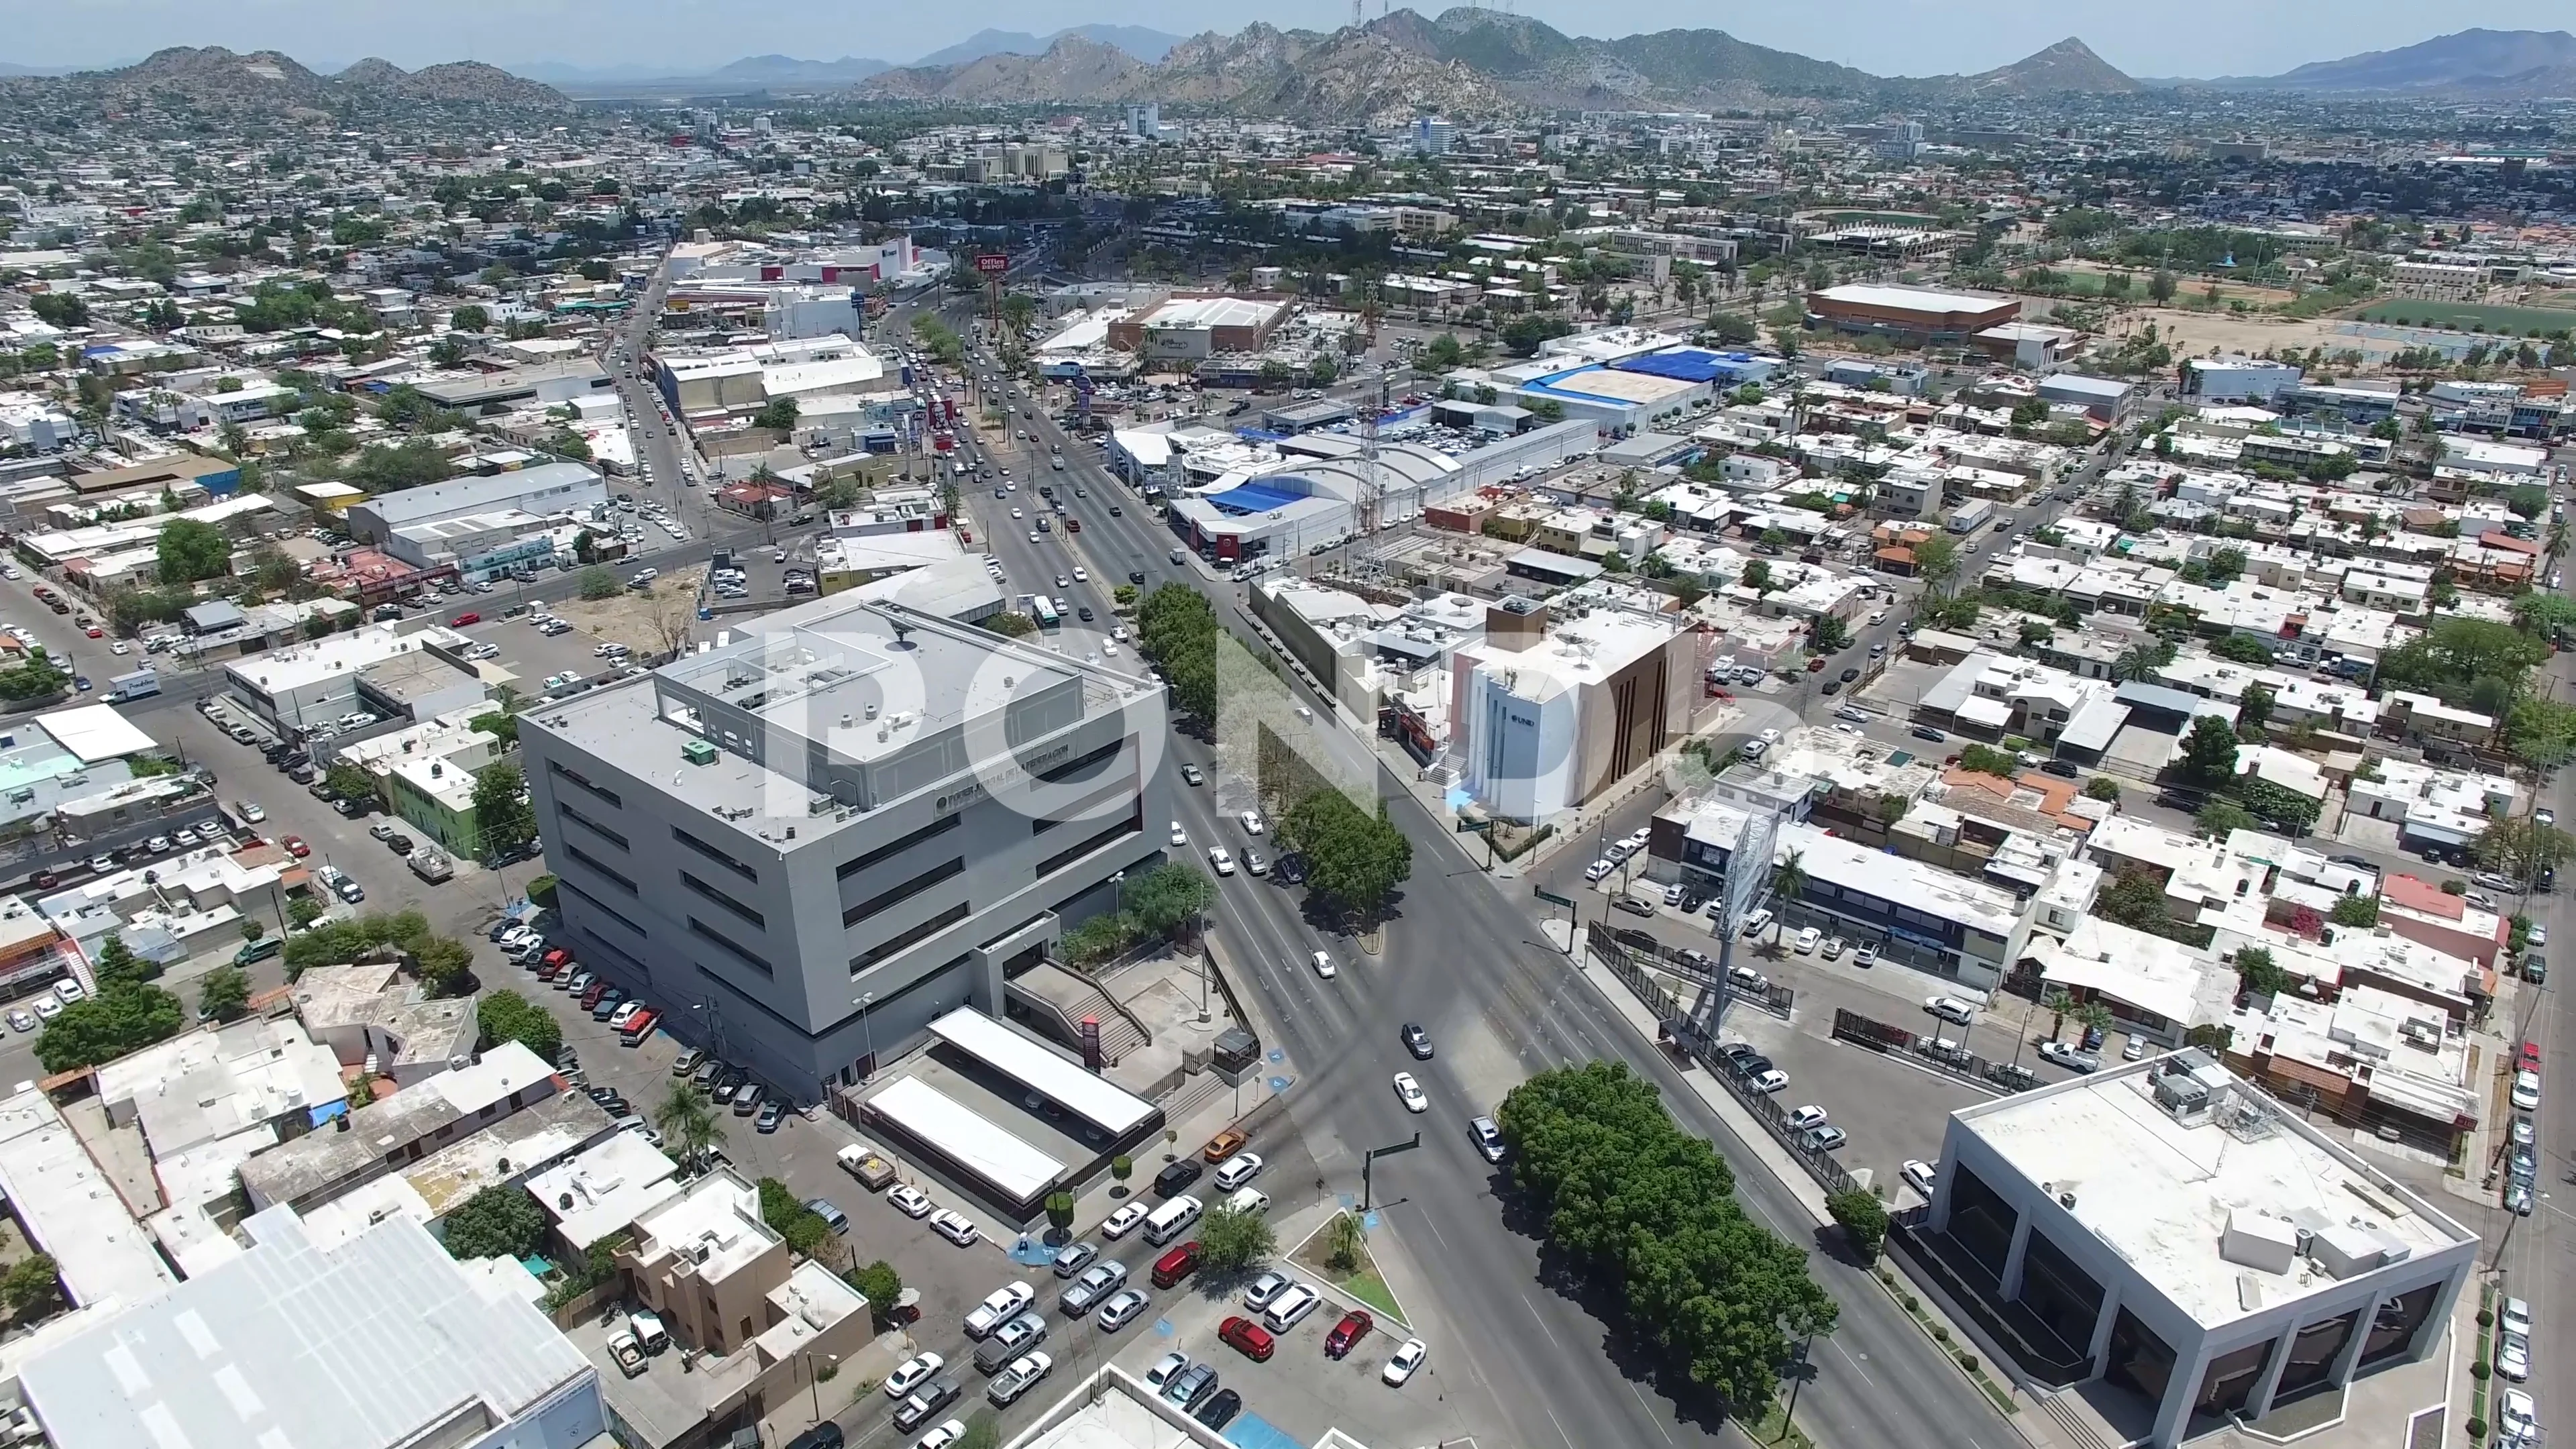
2158, 1190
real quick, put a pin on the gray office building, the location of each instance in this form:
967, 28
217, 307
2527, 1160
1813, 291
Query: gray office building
808, 842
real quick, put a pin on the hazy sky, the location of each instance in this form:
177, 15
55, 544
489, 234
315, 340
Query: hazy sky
1890, 37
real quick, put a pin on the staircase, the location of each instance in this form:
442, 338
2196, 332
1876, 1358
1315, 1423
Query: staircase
1057, 999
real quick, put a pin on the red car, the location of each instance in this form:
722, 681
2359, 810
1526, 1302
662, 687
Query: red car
295, 846
96, 632
640, 1027
461, 620
2531, 1056
1247, 1338
1355, 1325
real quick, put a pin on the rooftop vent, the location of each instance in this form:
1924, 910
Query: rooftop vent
698, 752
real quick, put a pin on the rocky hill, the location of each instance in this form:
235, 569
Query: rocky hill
215, 81
1473, 64
2069, 66
2467, 61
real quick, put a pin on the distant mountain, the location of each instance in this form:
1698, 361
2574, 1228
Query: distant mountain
212, 79
1073, 68
2069, 66
1146, 45
2467, 61
767, 70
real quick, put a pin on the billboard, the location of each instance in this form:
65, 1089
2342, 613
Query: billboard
992, 264
1748, 871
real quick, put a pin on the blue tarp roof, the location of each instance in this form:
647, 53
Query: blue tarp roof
1255, 1432
1252, 498
1689, 364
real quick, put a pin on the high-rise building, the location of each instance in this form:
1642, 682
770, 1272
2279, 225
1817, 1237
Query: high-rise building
1145, 121
806, 842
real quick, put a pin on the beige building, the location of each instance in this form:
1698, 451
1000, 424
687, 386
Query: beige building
723, 1283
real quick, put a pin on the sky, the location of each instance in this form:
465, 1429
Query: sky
1887, 37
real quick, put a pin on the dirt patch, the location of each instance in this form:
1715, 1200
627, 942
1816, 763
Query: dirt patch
648, 621
2196, 334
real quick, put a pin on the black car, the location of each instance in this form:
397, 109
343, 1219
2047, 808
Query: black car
1172, 1181
1135, 576
1218, 1412
2064, 768
1084, 614
1850, 674
1833, 686
1416, 1041
1926, 732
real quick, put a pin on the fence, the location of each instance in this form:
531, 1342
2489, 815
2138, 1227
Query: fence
1937, 1053
1690, 1038
1694, 967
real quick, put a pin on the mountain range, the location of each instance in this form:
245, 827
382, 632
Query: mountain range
213, 80
1472, 64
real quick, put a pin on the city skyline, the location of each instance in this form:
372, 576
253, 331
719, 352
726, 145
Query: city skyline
1886, 37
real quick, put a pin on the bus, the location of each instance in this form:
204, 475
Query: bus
1043, 610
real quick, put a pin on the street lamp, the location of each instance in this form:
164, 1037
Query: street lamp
815, 1380
868, 1024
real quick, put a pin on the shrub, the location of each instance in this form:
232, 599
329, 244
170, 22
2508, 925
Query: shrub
2486, 1318
1968, 1361
1940, 1334
2479, 1370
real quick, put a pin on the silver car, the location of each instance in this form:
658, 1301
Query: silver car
1124, 1307
1096, 1280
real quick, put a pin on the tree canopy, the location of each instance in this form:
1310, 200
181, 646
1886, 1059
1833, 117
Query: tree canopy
1231, 1241
1176, 629
2469, 662
1352, 856
501, 1221
2209, 752
507, 1016
506, 819
190, 551
1651, 1209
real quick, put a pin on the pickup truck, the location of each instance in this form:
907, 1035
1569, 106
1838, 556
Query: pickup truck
629, 1354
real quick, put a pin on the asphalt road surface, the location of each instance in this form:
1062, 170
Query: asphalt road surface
1466, 960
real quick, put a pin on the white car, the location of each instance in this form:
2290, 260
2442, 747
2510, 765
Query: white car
2513, 1357
1918, 1175
1323, 964
1410, 1091
120, 647
252, 813
1251, 822
999, 1307
943, 1436
1080, 577
1950, 1008
916, 1371
1408, 1357
1774, 1080
910, 1201
953, 1225
2526, 1091
1807, 940
1179, 836
1220, 860
1805, 1117
1239, 1169
2517, 1419
1596, 870
1124, 1221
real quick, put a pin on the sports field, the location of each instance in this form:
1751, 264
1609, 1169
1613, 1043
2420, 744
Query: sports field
2470, 316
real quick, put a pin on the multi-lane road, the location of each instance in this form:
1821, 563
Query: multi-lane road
1464, 957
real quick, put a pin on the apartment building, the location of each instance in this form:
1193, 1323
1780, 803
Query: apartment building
808, 842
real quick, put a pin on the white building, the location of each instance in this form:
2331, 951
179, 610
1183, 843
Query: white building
2164, 1229
1548, 716
2238, 379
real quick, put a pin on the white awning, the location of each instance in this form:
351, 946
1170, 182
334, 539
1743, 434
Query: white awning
967, 1138
1105, 1105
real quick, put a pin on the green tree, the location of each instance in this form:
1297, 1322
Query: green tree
501, 810
444, 963
2241, 649
223, 994
1168, 898
117, 1020
414, 463
688, 1122
2254, 711
2520, 847
2278, 806
1936, 562
1059, 1211
2209, 752
1009, 625
1650, 1212
1230, 1241
32, 1285
882, 1286
349, 782
2528, 500
2255, 972
1828, 635
778, 415
472, 317
802, 1228
505, 1015
2543, 615
501, 1221
1176, 629
189, 551
1788, 884
597, 582
2221, 816
1861, 1216
2465, 661
1352, 856
2360, 912
1987, 760
2102, 787
1757, 576
2540, 731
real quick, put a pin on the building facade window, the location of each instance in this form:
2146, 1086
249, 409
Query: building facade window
593, 826
580, 781
2395, 1323
2061, 1296
2229, 1385
1133, 824
893, 848
602, 871
896, 945
2312, 1354
741, 911
2139, 1361
718, 856
896, 895
720, 941
1981, 1222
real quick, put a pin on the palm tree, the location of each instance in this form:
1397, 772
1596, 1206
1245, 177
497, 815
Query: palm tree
2134, 663
2057, 1003
2093, 1016
688, 1119
1788, 881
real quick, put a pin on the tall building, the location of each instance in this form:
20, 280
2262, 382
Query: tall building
1433, 136
1547, 716
805, 843
1145, 121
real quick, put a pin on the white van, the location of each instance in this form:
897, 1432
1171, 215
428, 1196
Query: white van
1290, 1308
1249, 1200
1172, 1219
647, 1327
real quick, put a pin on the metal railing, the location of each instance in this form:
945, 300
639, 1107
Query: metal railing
1932, 1052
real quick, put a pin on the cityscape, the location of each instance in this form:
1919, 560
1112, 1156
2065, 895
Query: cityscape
1419, 733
